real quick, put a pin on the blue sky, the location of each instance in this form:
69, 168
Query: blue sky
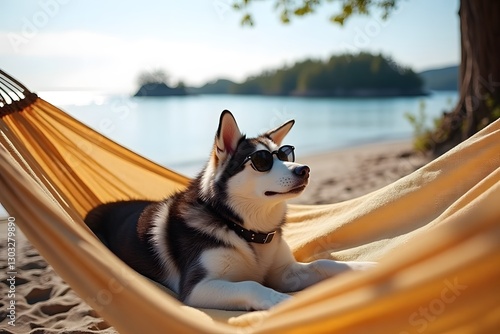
104, 45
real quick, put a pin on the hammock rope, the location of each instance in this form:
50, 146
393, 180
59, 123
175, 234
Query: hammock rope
14, 97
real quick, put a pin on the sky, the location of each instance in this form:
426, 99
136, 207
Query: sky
105, 45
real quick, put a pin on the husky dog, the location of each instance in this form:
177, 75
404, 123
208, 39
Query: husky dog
218, 244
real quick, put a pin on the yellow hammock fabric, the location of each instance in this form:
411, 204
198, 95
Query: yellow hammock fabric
436, 234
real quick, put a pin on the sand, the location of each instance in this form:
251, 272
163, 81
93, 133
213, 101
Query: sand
348, 173
46, 304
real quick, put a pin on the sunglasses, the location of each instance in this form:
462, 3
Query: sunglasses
262, 160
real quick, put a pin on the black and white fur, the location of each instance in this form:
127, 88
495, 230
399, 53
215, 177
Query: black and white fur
185, 243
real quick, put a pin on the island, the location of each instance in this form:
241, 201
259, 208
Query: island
154, 84
159, 89
344, 75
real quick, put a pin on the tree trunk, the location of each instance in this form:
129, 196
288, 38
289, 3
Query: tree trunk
479, 75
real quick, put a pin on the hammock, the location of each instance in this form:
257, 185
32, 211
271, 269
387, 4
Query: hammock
436, 234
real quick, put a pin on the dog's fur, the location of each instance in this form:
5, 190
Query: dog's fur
189, 242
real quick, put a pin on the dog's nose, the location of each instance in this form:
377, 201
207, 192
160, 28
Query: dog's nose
302, 171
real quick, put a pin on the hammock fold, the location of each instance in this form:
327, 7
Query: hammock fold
435, 233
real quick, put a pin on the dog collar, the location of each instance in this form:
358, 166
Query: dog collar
245, 234
251, 236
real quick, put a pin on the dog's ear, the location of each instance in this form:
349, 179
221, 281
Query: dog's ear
228, 135
277, 135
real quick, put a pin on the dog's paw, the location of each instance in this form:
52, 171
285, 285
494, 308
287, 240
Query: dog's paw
361, 265
273, 299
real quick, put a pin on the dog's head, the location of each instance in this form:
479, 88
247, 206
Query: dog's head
252, 172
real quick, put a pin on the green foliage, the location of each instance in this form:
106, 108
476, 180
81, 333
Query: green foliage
422, 140
288, 8
346, 74
494, 107
420, 131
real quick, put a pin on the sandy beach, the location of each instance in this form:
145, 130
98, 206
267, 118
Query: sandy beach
46, 304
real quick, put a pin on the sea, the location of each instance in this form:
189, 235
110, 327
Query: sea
178, 132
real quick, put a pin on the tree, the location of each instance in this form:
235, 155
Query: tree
341, 75
479, 86
154, 83
152, 77
479, 102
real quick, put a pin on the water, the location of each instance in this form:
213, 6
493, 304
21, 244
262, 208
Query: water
178, 132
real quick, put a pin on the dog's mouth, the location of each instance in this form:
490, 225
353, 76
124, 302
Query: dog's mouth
295, 190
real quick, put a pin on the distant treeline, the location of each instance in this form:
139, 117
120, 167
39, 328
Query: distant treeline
445, 78
361, 74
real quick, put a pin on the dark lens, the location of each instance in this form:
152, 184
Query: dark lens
285, 153
262, 160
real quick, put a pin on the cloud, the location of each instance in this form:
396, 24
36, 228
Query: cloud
119, 57
62, 44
